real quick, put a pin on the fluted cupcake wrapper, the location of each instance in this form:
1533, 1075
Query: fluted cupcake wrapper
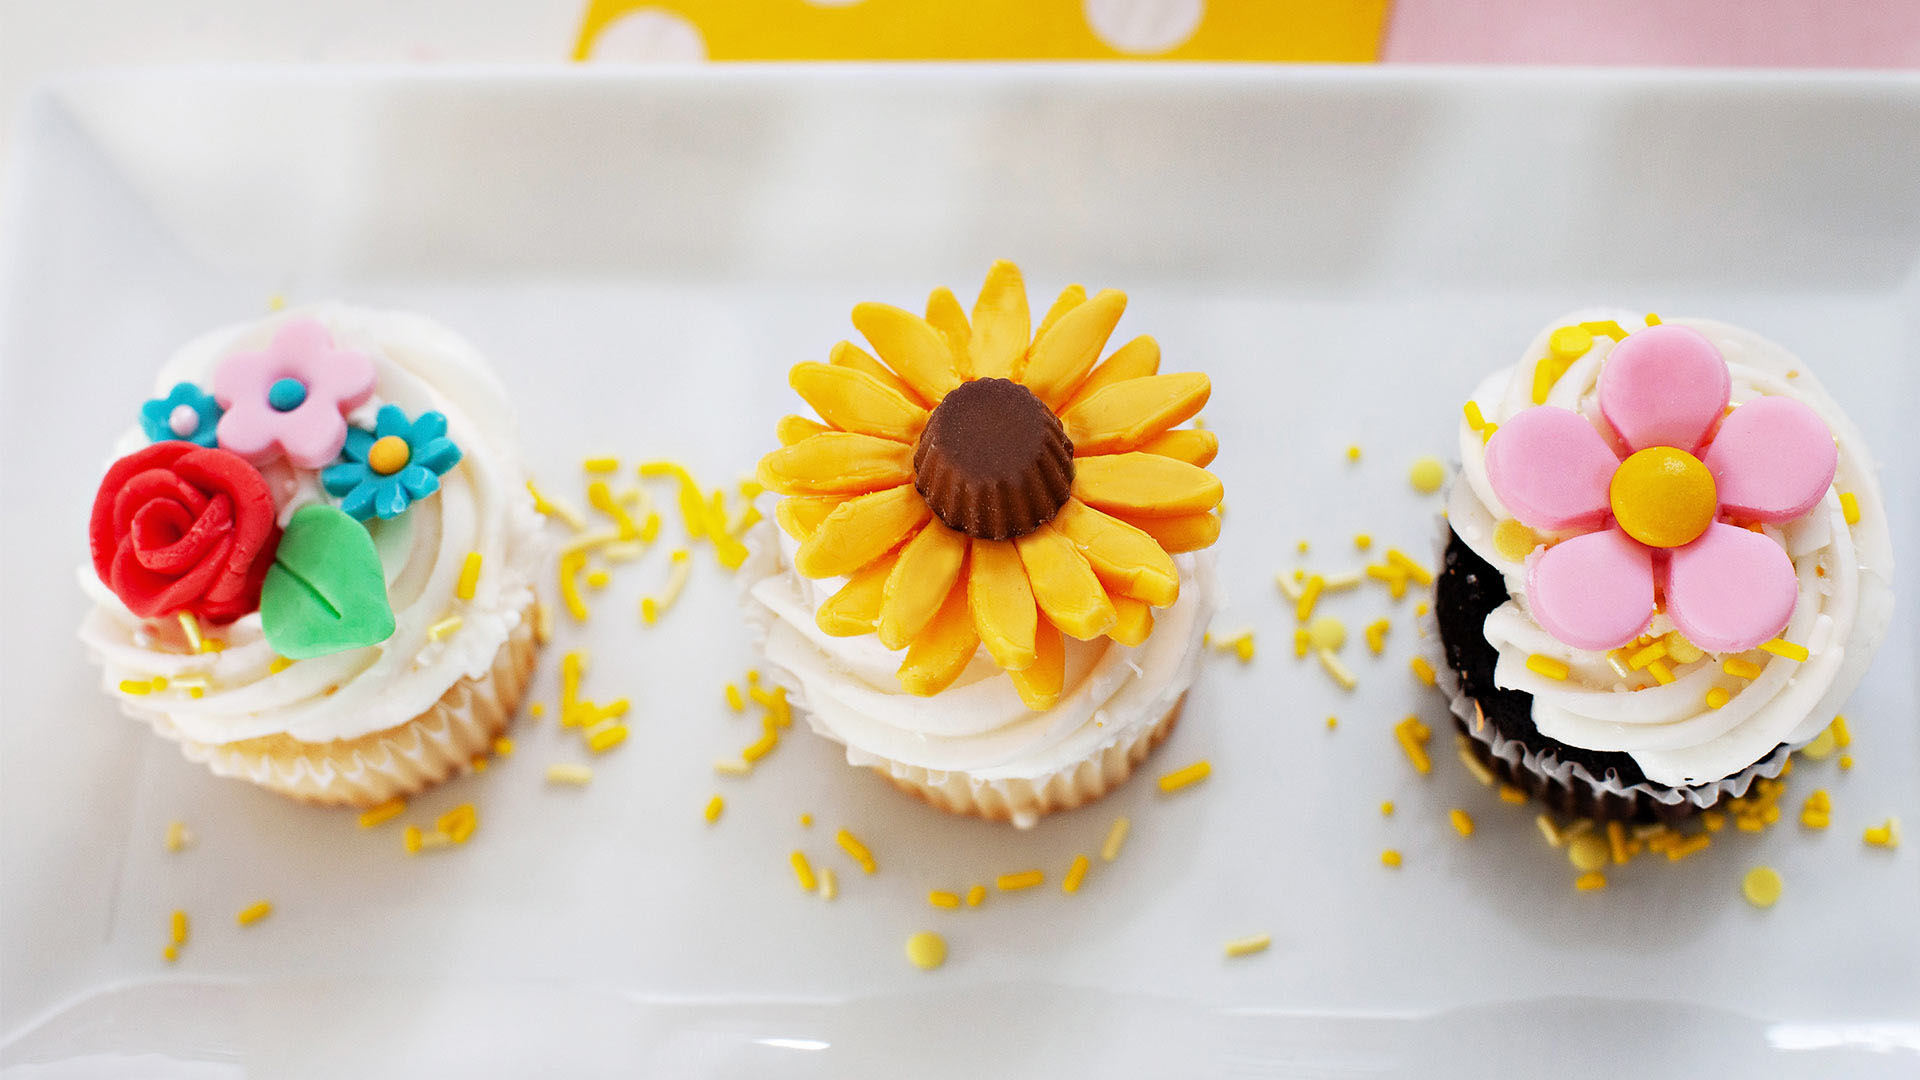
400, 761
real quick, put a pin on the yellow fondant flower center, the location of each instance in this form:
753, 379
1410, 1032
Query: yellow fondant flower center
1663, 497
388, 455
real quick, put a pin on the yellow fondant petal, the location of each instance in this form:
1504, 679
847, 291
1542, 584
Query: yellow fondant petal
1125, 415
853, 400
1002, 603
1140, 485
791, 429
836, 463
1000, 323
1040, 682
910, 346
943, 650
1064, 585
861, 530
1061, 359
800, 515
1134, 623
1128, 561
1070, 297
855, 609
1137, 359
1191, 445
848, 355
946, 315
1175, 535
921, 579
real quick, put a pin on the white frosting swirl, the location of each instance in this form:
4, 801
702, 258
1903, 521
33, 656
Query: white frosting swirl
482, 506
978, 726
1845, 598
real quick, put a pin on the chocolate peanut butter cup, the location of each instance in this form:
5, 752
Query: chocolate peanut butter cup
993, 462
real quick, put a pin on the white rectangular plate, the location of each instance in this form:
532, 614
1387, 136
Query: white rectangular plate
644, 256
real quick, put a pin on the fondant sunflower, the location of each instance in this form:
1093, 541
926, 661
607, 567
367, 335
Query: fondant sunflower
984, 483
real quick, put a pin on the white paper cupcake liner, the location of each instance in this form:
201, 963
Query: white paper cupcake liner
399, 761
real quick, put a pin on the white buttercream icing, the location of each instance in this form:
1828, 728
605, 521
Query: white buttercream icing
978, 726
482, 506
1844, 571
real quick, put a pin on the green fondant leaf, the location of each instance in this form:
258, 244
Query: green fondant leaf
325, 592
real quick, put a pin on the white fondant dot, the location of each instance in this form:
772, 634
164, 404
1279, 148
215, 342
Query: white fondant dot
651, 36
1144, 26
183, 420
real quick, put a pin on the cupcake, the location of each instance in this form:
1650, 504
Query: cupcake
1667, 565
312, 560
988, 577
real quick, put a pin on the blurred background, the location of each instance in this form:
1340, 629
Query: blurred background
38, 37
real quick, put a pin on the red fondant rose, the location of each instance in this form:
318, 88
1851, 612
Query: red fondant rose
177, 527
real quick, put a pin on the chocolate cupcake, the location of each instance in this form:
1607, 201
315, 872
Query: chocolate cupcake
1667, 566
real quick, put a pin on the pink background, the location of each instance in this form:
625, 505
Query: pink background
1746, 33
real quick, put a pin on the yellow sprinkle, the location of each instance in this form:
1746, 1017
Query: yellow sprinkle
651, 608
438, 631
178, 838
1886, 835
1362, 541
1617, 842
1514, 541
1332, 722
537, 710
1588, 852
1652, 319
1660, 672
386, 811
190, 628
602, 498
1340, 672
598, 578
803, 872
136, 687
1609, 327
1243, 647
542, 623
734, 700
1461, 820
1076, 873
1302, 642
1761, 886
1386, 808
1486, 433
1472, 763
761, 747
607, 738
1511, 794
1541, 664
411, 839
1647, 655
1740, 669
714, 807
1247, 946
601, 464
1353, 452
1390, 858
926, 950
1718, 697
276, 301
1327, 632
1182, 777
1309, 595
976, 895
469, 576
1680, 650
732, 767
1408, 734
170, 953
1290, 584
1475, 421
829, 883
1696, 842
253, 912
1422, 670
1846, 761
1301, 547
1394, 577
1569, 343
1850, 507
458, 823
178, 927
853, 847
1420, 609
502, 746
1116, 839
940, 898
1376, 635
1025, 879
1842, 738
1428, 474
557, 510
1589, 881
569, 774
1550, 830
1413, 569
1783, 647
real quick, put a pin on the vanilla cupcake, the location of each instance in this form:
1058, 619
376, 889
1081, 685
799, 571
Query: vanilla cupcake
1667, 565
312, 562
988, 579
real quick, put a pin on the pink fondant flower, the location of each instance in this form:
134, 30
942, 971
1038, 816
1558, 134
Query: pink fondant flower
1660, 497
291, 400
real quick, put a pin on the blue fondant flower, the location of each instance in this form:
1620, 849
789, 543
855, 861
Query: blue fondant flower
387, 468
186, 414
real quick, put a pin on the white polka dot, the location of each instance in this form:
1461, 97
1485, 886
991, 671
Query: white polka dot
183, 421
1144, 26
651, 36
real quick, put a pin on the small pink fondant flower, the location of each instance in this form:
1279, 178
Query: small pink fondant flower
291, 400
1658, 517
